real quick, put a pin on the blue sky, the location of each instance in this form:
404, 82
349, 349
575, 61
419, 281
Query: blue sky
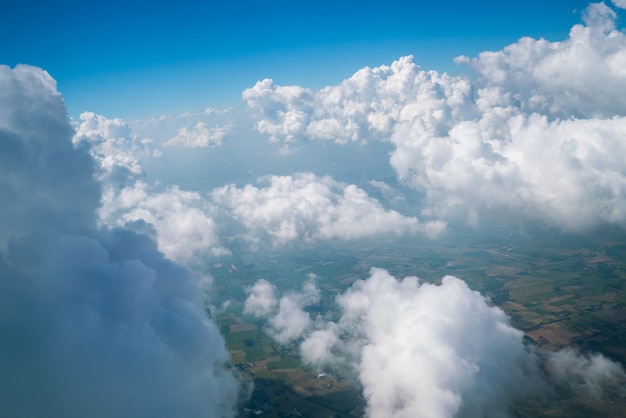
142, 59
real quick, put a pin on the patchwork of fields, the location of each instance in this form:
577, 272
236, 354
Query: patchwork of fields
560, 290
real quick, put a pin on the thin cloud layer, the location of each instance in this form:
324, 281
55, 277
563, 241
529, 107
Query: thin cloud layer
94, 322
205, 129
620, 3
590, 375
199, 136
286, 318
567, 173
310, 208
536, 135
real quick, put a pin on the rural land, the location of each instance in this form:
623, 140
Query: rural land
560, 290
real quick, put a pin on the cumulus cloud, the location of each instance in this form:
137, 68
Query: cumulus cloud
427, 350
182, 219
261, 299
363, 107
113, 146
286, 318
536, 135
61, 199
307, 207
588, 374
291, 320
567, 173
93, 322
581, 77
418, 350
423, 350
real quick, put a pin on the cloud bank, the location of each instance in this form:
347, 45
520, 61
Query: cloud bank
310, 208
94, 322
366, 106
535, 135
422, 350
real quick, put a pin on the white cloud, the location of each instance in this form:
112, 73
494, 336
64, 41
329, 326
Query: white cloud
582, 76
619, 3
536, 135
307, 207
422, 350
366, 106
42, 180
182, 220
207, 128
261, 299
94, 322
286, 318
199, 136
426, 350
283, 109
567, 173
589, 374
290, 321
112, 145
121, 146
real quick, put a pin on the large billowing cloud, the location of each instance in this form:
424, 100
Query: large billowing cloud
538, 134
583, 76
363, 107
58, 199
422, 350
426, 350
307, 207
93, 322
568, 173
